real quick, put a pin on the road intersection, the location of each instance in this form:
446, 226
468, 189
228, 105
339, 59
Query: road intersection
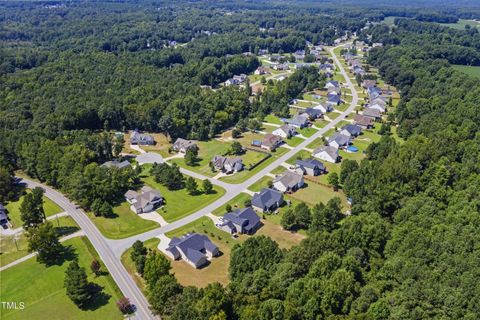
111, 250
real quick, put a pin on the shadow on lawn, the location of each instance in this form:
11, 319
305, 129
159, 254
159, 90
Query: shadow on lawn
98, 299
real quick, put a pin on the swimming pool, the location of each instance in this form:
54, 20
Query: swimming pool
352, 149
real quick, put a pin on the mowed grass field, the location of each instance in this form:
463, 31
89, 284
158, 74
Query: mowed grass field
13, 208
41, 289
461, 23
13, 248
470, 70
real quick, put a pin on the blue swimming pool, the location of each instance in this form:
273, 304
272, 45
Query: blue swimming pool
352, 149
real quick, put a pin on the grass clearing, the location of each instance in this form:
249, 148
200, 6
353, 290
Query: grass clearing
235, 203
41, 289
123, 224
461, 23
278, 170
307, 132
333, 115
314, 193
302, 154
273, 119
261, 183
470, 70
294, 141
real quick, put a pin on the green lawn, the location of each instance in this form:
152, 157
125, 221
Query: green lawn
13, 249
235, 203
333, 115
273, 119
127, 262
307, 132
13, 208
41, 289
294, 141
179, 203
305, 104
207, 150
310, 97
461, 23
321, 123
316, 143
267, 128
125, 223
278, 170
261, 183
314, 193
470, 70
241, 176
302, 154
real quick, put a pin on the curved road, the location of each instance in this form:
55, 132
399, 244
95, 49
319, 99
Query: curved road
110, 250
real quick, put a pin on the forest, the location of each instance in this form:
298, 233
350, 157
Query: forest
70, 73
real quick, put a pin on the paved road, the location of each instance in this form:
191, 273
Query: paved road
119, 246
114, 266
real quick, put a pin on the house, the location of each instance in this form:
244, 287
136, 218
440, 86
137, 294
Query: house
116, 164
261, 71
227, 165
236, 80
298, 121
358, 70
324, 107
262, 52
141, 139
334, 98
3, 216
331, 84
195, 249
313, 113
351, 130
372, 113
281, 67
335, 90
377, 106
267, 200
326, 153
288, 181
284, 131
182, 145
144, 202
363, 121
299, 54
310, 167
271, 142
301, 65
369, 84
380, 101
339, 140
244, 221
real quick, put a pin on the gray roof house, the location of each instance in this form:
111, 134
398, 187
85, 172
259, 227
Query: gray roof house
196, 249
182, 145
334, 98
288, 181
284, 131
244, 221
116, 164
3, 216
339, 140
310, 167
351, 130
372, 113
227, 165
332, 84
363, 121
143, 202
141, 139
267, 200
326, 153
298, 121
324, 107
313, 113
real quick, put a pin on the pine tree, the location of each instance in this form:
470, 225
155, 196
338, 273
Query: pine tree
207, 186
31, 209
77, 284
191, 185
44, 240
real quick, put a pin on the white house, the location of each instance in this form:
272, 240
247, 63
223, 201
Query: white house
326, 153
288, 181
284, 131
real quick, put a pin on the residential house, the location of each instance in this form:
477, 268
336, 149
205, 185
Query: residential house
284, 131
324, 107
182, 145
369, 84
334, 98
280, 67
116, 164
195, 249
271, 142
141, 139
339, 140
267, 200
311, 167
298, 121
288, 181
363, 121
299, 54
244, 221
262, 52
227, 165
261, 71
372, 113
331, 84
358, 70
351, 130
144, 202
236, 80
326, 153
313, 114
377, 106
380, 101
335, 90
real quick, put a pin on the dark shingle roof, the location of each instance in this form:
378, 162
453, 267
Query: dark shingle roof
266, 198
310, 163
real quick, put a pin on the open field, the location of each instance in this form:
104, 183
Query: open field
461, 23
12, 248
124, 223
314, 193
41, 288
273, 119
179, 203
50, 208
470, 70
